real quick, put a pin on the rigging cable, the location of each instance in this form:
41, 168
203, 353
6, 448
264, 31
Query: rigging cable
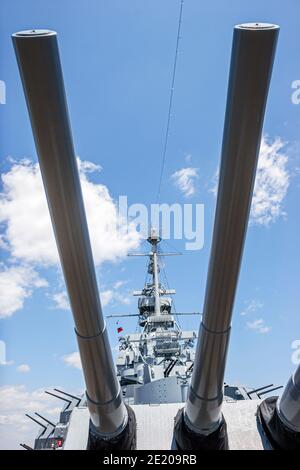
165, 147
171, 246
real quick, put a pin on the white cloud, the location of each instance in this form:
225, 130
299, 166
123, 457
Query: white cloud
73, 360
184, 180
259, 326
24, 212
215, 181
23, 368
119, 284
28, 232
15, 401
17, 284
252, 306
107, 296
271, 184
88, 167
61, 300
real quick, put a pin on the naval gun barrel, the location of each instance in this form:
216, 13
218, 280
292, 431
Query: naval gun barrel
40, 69
280, 417
250, 72
288, 405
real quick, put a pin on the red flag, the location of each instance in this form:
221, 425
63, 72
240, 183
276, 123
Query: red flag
120, 329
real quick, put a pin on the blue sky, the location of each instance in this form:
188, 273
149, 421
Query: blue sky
117, 61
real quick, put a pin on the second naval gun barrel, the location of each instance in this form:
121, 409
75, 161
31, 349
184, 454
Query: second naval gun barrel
250, 72
39, 64
288, 405
280, 417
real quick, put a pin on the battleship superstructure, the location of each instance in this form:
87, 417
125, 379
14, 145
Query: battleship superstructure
161, 383
155, 364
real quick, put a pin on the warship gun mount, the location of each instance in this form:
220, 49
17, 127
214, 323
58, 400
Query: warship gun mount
159, 377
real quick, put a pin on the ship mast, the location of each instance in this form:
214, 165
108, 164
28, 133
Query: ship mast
153, 291
154, 239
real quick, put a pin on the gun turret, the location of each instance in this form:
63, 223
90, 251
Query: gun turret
39, 64
201, 424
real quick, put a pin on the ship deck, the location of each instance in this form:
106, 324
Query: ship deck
155, 426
